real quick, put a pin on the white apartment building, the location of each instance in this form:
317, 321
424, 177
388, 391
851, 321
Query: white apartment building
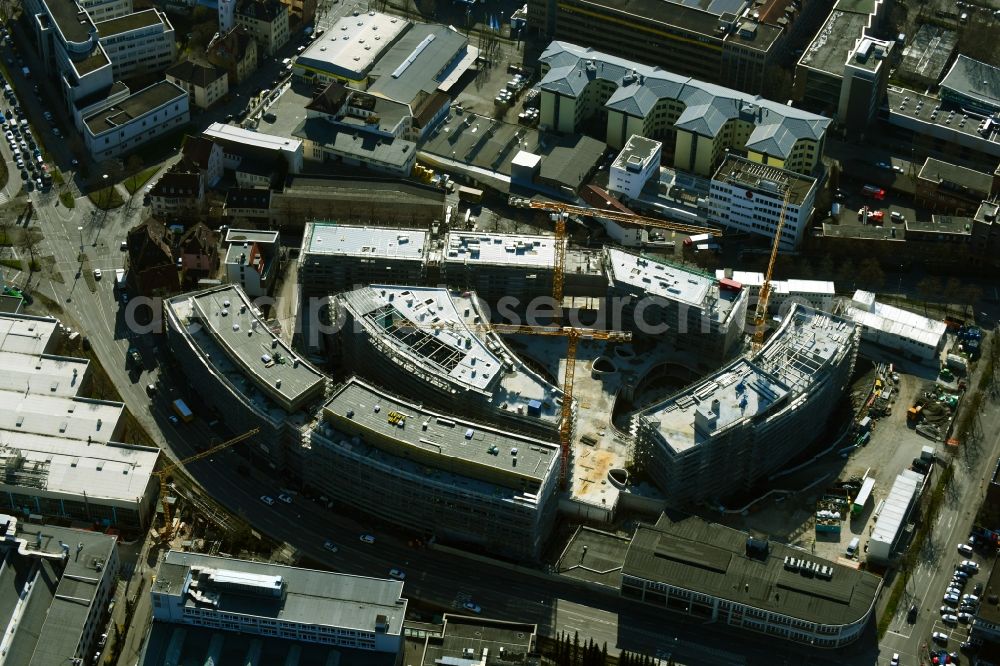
138, 118
104, 10
278, 601
748, 196
638, 161
252, 260
139, 43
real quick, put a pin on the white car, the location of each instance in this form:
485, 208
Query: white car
267, 500
949, 618
474, 608
895, 659
951, 599
965, 549
97, 273
329, 545
939, 637
285, 498
397, 574
970, 599
969, 566
367, 538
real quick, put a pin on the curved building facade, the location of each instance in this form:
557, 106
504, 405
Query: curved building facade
729, 430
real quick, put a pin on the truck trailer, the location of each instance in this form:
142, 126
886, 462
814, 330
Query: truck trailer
183, 411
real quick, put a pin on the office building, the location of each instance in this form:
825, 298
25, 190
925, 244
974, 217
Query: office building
137, 44
925, 57
266, 21
463, 636
954, 189
432, 343
731, 429
897, 330
206, 607
636, 164
206, 84
817, 294
821, 72
348, 50
716, 574
238, 143
698, 122
515, 267
748, 197
57, 584
692, 310
435, 472
252, 260
243, 372
137, 119
973, 85
337, 257
732, 43
865, 78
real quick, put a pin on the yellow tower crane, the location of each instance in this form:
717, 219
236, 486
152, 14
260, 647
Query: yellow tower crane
564, 210
573, 336
168, 526
760, 314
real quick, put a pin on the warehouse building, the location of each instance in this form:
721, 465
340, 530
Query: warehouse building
500, 265
243, 372
238, 143
348, 51
433, 472
894, 515
432, 343
337, 257
206, 608
730, 430
692, 310
817, 294
896, 330
720, 575
748, 197
56, 584
729, 42
698, 122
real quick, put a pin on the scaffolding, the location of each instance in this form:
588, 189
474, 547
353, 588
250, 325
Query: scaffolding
16, 470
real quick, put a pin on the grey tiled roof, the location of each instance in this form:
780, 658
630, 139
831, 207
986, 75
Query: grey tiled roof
707, 106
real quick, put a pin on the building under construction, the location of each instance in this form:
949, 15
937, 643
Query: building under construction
730, 430
431, 471
436, 344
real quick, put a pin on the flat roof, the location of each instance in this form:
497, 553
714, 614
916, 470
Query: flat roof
787, 287
488, 249
134, 106
94, 61
833, 44
59, 416
330, 238
133, 21
865, 310
637, 152
353, 44
869, 53
49, 629
310, 597
461, 633
70, 19
897, 502
25, 334
442, 441
695, 15
251, 236
238, 328
764, 178
418, 62
459, 352
712, 559
669, 281
930, 111
238, 136
968, 181
73, 467
51, 375
797, 356
928, 52
359, 142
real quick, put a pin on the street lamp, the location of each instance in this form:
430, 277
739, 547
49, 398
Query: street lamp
104, 177
80, 229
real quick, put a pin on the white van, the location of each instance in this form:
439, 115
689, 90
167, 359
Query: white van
852, 548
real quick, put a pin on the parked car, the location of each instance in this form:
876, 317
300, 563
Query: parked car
965, 618
950, 599
97, 273
978, 589
939, 637
949, 618
969, 566
970, 598
965, 549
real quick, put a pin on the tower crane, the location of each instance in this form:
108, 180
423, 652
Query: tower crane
760, 314
573, 336
168, 526
564, 210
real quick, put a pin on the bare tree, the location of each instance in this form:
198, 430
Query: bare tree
28, 242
